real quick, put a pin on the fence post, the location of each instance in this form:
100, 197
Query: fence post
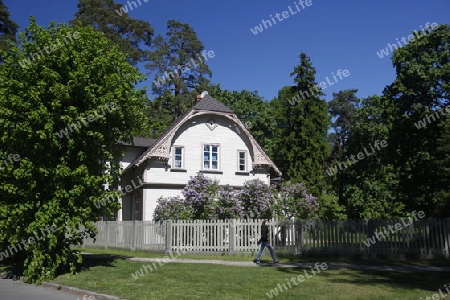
168, 236
446, 235
106, 235
232, 235
371, 230
84, 240
134, 237
299, 236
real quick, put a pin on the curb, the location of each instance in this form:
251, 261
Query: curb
80, 292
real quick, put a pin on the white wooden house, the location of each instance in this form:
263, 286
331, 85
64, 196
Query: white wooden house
209, 139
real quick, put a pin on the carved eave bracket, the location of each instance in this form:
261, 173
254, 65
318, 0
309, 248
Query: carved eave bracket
259, 158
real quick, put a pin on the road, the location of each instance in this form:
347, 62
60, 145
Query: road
17, 290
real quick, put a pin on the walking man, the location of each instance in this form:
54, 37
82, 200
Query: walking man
265, 242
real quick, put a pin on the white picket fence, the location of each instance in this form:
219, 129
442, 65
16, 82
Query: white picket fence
423, 238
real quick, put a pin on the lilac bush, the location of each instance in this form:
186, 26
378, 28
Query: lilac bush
172, 208
257, 200
200, 193
227, 204
293, 200
204, 199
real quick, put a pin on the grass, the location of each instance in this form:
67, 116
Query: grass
112, 275
283, 257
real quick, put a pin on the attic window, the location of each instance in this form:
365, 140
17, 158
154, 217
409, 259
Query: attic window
212, 124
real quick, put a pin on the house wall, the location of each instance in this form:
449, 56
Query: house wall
162, 180
131, 200
131, 154
151, 196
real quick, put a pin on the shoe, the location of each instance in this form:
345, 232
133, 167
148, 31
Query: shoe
257, 262
275, 262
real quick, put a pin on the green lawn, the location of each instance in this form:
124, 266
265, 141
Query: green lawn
112, 275
282, 257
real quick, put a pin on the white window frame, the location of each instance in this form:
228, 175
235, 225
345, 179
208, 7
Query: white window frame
210, 164
174, 157
239, 161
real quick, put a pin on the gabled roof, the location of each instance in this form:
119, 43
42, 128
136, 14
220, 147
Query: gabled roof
140, 142
210, 104
160, 148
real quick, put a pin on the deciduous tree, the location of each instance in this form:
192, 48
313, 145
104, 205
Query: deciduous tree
60, 178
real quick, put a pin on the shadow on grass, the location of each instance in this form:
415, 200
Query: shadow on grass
15, 267
359, 260
430, 281
93, 260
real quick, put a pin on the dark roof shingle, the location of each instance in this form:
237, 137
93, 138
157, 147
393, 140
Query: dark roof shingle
211, 104
140, 142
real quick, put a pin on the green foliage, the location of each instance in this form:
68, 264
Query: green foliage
330, 208
180, 67
303, 148
442, 164
342, 111
421, 88
58, 180
158, 116
256, 114
8, 30
369, 184
128, 34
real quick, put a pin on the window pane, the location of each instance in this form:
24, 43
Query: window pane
242, 161
210, 157
177, 163
178, 157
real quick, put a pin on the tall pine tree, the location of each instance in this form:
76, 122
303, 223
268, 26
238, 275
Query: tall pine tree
304, 146
8, 29
106, 16
180, 65
342, 110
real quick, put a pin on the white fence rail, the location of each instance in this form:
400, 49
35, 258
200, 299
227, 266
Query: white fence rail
422, 238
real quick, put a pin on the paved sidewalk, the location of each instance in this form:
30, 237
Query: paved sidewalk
300, 265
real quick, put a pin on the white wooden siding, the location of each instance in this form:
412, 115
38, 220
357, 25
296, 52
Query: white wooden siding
192, 136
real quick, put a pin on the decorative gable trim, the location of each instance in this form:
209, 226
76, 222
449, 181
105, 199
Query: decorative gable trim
212, 124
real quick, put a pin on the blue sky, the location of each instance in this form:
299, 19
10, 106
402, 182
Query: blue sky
335, 34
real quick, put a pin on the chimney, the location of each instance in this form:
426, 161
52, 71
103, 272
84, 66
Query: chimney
199, 97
